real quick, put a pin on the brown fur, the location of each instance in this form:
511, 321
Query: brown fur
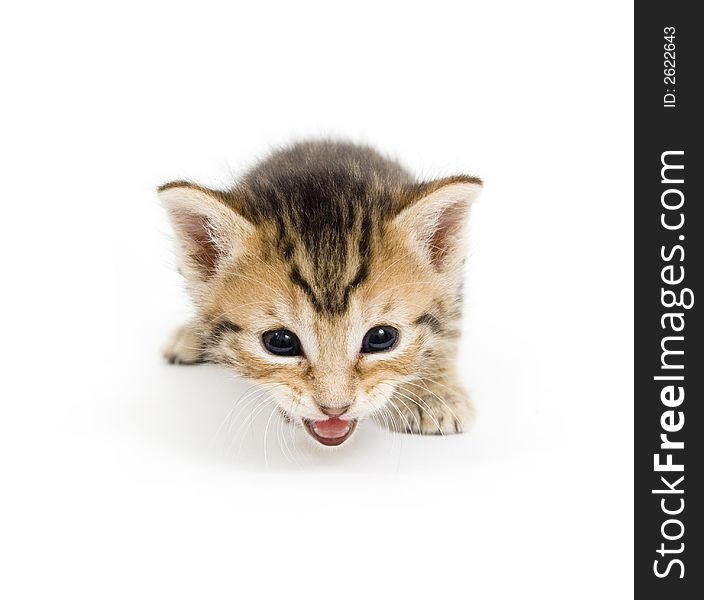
328, 240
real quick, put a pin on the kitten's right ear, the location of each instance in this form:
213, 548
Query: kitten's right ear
435, 218
208, 230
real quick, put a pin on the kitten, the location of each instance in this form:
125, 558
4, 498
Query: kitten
331, 275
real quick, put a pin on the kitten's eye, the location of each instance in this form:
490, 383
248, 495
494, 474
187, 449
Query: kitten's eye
282, 342
379, 338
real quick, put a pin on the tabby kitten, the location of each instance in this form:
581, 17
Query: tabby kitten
329, 273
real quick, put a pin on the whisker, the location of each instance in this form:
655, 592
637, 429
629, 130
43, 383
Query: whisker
452, 412
266, 430
410, 430
422, 404
259, 392
290, 455
252, 415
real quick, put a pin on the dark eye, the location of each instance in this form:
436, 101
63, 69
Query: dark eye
282, 342
379, 338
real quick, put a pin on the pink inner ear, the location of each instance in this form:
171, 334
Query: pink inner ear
198, 233
447, 227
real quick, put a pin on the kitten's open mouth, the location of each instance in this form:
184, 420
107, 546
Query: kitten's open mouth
332, 431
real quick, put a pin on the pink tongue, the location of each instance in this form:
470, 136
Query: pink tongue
331, 428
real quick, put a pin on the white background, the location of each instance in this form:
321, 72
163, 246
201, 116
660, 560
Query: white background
115, 482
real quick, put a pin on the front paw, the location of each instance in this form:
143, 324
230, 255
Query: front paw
184, 348
427, 411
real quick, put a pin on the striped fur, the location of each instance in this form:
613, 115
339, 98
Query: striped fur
328, 240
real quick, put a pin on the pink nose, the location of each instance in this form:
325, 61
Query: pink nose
334, 411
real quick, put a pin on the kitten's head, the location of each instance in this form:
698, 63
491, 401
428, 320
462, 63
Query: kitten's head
329, 284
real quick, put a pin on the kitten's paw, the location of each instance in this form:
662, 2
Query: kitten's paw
429, 412
184, 348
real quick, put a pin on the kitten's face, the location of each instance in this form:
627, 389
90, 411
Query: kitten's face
322, 364
327, 275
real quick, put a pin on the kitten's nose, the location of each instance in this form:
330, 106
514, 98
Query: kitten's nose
334, 411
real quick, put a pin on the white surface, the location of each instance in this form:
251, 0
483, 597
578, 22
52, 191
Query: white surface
114, 482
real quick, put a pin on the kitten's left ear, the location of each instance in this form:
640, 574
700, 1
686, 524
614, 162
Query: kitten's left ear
437, 214
209, 230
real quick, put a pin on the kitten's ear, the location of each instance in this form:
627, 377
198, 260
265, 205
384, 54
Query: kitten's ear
436, 216
208, 230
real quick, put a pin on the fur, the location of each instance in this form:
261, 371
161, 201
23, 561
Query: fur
329, 240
